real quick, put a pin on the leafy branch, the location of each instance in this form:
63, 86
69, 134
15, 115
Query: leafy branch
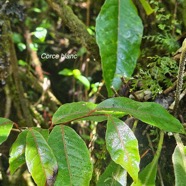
121, 142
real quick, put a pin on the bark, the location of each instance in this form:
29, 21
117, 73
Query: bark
76, 26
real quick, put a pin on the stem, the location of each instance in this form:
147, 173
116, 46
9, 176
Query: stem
88, 13
157, 154
135, 125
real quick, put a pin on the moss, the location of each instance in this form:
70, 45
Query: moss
76, 26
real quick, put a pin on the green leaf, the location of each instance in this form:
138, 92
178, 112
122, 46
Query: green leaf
81, 111
118, 33
66, 72
37, 10
22, 63
84, 81
81, 51
100, 116
72, 155
17, 38
147, 176
114, 175
40, 159
17, 153
72, 111
147, 7
123, 146
179, 163
43, 132
21, 46
34, 46
150, 113
5, 128
76, 73
40, 33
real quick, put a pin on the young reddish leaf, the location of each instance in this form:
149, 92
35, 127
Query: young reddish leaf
40, 159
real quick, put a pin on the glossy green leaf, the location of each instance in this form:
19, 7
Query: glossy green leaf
72, 111
22, 63
147, 7
100, 116
76, 72
147, 176
179, 163
21, 46
40, 33
118, 33
123, 146
40, 159
5, 128
150, 113
81, 111
43, 132
66, 72
114, 175
17, 153
84, 81
72, 155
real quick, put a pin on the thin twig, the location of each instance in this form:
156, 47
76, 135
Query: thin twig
34, 57
88, 13
114, 91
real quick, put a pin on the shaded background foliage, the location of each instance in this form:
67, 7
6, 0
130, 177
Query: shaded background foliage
156, 71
